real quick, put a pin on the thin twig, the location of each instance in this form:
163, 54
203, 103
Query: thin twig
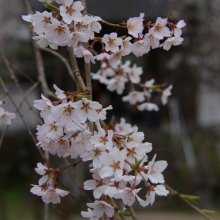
79, 80
116, 208
2, 96
71, 195
39, 59
131, 210
77, 181
46, 206
177, 194
88, 72
113, 25
22, 118
63, 59
13, 77
3, 135
22, 73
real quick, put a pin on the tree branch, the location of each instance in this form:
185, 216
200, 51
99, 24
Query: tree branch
39, 60
63, 59
177, 194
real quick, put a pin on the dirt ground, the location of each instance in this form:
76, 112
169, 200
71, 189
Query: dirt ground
174, 216
167, 216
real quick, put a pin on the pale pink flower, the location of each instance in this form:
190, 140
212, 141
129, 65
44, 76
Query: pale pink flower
151, 39
165, 94
41, 20
134, 73
59, 93
117, 84
171, 41
71, 11
67, 112
45, 106
58, 33
100, 208
98, 185
148, 84
88, 110
113, 164
177, 30
52, 195
76, 37
123, 128
155, 169
42, 41
148, 106
89, 214
135, 25
127, 45
112, 42
45, 172
159, 30
140, 48
88, 56
134, 97
160, 190
117, 56
102, 56
6, 117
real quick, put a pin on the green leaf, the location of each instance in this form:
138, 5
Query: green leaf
80, 89
208, 212
170, 13
51, 7
123, 213
123, 37
137, 163
191, 198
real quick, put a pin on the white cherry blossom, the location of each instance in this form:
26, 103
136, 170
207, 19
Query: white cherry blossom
71, 11
153, 190
134, 97
160, 30
52, 195
148, 106
165, 94
6, 117
171, 41
135, 25
100, 208
112, 42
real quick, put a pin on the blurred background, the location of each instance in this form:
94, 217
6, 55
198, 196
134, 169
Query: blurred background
186, 132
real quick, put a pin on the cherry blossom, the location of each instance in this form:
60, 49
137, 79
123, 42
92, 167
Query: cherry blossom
135, 25
160, 30
148, 106
172, 41
165, 94
52, 195
71, 11
100, 208
134, 97
6, 117
112, 42
153, 190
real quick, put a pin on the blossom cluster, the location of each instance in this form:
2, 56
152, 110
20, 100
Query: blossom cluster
118, 154
47, 185
116, 75
6, 117
66, 26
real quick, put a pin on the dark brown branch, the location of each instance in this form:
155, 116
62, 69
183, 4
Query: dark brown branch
113, 25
